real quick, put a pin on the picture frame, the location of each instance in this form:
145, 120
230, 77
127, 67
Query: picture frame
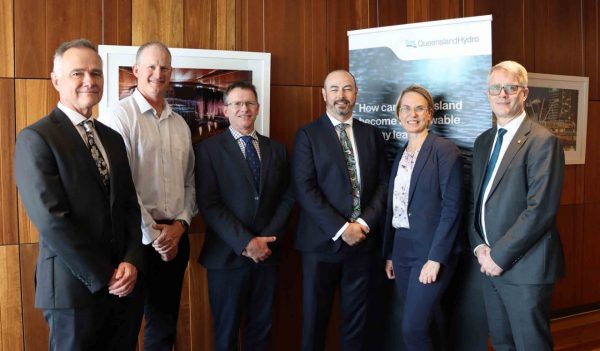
559, 103
198, 80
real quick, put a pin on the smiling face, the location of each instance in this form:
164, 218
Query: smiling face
414, 113
78, 78
241, 108
153, 73
339, 94
506, 107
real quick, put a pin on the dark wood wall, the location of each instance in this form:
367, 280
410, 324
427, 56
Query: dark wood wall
307, 39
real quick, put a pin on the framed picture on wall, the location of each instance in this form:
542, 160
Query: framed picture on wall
560, 104
198, 80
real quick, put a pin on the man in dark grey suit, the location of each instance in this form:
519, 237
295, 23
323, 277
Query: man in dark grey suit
74, 179
517, 181
243, 192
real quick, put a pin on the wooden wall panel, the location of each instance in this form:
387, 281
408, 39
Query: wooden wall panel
291, 108
392, 12
41, 25
590, 267
343, 16
511, 29
35, 99
592, 157
8, 195
249, 25
7, 45
294, 37
570, 227
199, 318
35, 328
558, 43
11, 322
591, 23
209, 24
116, 22
160, 20
432, 10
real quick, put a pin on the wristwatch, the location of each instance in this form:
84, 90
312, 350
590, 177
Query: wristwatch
183, 223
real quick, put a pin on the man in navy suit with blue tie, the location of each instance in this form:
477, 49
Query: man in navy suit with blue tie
340, 181
243, 191
517, 181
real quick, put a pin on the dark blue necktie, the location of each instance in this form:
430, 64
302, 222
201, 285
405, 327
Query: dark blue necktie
492, 163
252, 159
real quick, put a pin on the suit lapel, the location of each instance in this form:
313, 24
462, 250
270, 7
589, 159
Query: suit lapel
480, 164
362, 149
515, 145
419, 165
74, 138
265, 159
231, 147
332, 140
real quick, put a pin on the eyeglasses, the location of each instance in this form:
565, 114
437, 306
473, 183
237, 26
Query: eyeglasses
419, 110
509, 89
240, 104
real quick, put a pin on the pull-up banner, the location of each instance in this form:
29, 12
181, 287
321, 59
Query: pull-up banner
450, 58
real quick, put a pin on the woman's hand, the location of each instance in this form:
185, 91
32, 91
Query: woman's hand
389, 269
429, 272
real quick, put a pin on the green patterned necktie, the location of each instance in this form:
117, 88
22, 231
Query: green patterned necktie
351, 166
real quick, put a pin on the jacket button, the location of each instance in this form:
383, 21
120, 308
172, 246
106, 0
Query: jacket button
256, 198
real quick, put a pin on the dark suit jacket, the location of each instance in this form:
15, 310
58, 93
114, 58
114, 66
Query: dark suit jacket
233, 210
322, 184
84, 231
435, 202
522, 204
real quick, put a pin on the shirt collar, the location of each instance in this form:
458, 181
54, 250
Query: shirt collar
75, 117
512, 126
237, 135
145, 106
336, 122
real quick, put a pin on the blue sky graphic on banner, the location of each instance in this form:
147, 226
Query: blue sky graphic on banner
450, 58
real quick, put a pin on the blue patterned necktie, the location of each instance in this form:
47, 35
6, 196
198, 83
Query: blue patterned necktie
492, 163
252, 159
351, 166
88, 126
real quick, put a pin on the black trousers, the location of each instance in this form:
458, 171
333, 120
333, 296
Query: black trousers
242, 294
322, 274
159, 299
104, 326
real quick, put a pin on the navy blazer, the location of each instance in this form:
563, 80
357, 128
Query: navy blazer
434, 204
84, 231
522, 204
233, 210
322, 184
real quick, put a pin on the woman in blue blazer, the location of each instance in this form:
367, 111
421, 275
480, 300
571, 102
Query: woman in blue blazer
424, 208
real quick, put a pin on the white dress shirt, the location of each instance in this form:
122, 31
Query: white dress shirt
511, 129
350, 134
161, 159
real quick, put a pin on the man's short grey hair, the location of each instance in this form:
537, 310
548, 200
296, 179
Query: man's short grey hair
141, 49
81, 43
514, 68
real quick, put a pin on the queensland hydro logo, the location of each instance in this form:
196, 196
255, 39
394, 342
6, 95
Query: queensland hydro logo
457, 40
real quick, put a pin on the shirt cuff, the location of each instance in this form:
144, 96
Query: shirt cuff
340, 232
149, 234
362, 222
